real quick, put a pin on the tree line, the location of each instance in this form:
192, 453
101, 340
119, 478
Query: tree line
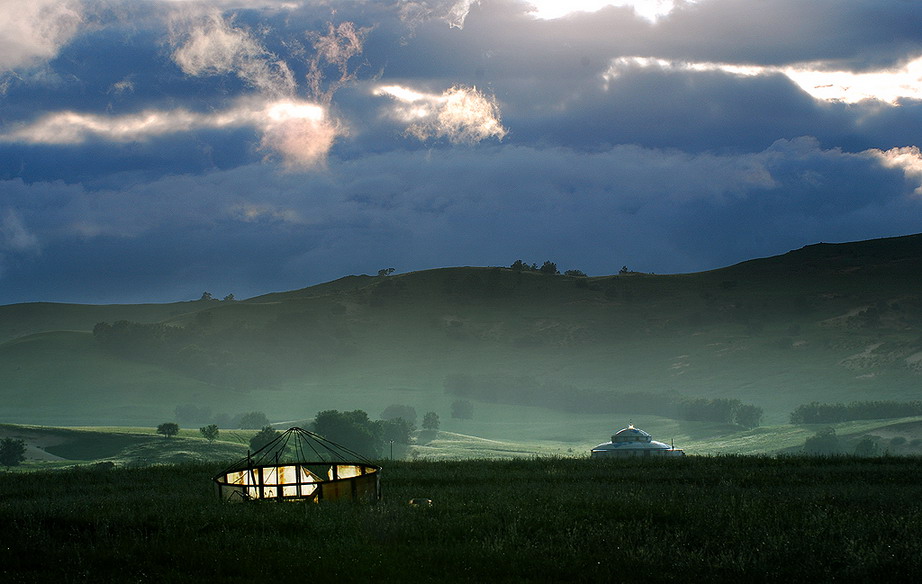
829, 413
353, 429
526, 390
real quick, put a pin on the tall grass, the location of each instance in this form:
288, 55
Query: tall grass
544, 519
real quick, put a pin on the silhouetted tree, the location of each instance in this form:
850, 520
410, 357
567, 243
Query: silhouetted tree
823, 443
263, 437
431, 421
748, 416
394, 411
396, 430
168, 429
386, 271
351, 429
252, 421
207, 296
575, 273
12, 452
548, 267
623, 270
867, 446
210, 432
229, 298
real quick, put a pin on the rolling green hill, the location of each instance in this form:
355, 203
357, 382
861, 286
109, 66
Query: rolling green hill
829, 322
18, 320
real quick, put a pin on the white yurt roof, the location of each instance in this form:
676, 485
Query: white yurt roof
632, 438
631, 434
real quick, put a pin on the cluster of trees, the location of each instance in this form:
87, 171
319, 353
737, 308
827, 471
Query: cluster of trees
526, 390
353, 429
356, 431
547, 267
726, 410
823, 443
827, 443
550, 267
823, 413
206, 296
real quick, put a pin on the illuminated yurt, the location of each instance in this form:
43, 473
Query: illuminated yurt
299, 465
633, 441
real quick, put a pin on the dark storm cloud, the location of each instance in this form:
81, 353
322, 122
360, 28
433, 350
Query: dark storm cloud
854, 35
655, 210
162, 149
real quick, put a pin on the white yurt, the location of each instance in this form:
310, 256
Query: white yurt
633, 441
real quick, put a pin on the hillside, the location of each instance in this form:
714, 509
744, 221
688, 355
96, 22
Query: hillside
828, 322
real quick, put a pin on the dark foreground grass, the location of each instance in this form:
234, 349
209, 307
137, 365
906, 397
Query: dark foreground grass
692, 520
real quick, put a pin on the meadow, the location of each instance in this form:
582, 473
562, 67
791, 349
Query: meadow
703, 518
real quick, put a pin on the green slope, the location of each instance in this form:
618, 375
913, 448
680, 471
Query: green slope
824, 323
64, 378
58, 447
19, 320
497, 439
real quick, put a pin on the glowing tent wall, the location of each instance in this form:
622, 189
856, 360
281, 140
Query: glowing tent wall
345, 482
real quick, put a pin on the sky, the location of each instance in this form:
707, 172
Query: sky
153, 150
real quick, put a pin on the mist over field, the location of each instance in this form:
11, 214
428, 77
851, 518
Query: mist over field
549, 362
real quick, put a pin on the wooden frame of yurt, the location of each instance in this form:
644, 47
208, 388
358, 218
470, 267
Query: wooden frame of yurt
263, 476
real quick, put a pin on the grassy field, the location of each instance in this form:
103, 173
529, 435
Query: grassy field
538, 519
489, 438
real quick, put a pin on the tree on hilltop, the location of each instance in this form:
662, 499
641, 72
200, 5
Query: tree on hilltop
548, 267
